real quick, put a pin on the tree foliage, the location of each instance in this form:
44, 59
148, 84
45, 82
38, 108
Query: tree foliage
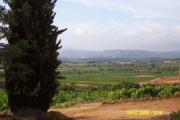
3, 30
31, 54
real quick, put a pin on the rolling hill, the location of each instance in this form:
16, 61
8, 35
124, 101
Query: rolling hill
119, 54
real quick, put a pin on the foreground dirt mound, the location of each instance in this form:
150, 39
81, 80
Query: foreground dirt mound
159, 110
33, 114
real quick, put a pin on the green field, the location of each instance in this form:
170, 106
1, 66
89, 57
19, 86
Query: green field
111, 72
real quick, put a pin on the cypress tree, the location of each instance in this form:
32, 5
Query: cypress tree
31, 56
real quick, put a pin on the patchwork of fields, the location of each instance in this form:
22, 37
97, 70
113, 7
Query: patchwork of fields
113, 72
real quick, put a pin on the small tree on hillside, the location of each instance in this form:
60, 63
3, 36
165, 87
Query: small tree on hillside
31, 54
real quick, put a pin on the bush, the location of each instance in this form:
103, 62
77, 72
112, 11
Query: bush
3, 100
69, 98
167, 91
121, 85
126, 85
104, 95
67, 87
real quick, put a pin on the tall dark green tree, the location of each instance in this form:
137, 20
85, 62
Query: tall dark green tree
3, 28
31, 56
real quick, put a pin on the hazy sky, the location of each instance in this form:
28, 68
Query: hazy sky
119, 24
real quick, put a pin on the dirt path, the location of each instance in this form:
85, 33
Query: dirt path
119, 111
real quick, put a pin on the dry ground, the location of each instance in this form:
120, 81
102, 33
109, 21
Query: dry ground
118, 111
165, 80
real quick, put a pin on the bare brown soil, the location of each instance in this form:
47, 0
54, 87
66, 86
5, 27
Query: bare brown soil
165, 80
124, 63
118, 111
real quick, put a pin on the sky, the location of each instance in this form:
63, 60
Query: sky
119, 24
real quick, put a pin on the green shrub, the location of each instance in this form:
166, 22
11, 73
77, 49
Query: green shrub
121, 85
99, 95
68, 98
167, 91
67, 87
132, 93
3, 100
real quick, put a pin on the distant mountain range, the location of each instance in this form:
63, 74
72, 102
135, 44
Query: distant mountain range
118, 54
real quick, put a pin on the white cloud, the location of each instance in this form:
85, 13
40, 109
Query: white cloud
177, 28
78, 31
148, 9
146, 35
